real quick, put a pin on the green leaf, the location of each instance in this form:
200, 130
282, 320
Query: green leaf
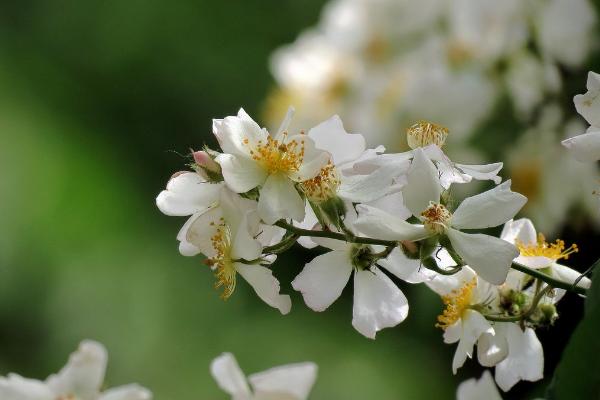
578, 374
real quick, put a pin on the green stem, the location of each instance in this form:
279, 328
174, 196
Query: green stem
334, 235
349, 238
548, 279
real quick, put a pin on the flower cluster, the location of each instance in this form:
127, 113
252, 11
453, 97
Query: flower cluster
381, 218
383, 64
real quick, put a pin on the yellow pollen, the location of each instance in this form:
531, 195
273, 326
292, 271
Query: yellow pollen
456, 302
221, 262
278, 157
554, 251
424, 133
323, 186
436, 218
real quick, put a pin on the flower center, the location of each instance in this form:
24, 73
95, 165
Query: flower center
436, 217
221, 262
424, 133
323, 186
456, 302
278, 157
554, 251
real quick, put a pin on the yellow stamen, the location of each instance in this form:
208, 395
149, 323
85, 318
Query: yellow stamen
323, 186
424, 133
277, 156
554, 251
221, 262
456, 302
436, 217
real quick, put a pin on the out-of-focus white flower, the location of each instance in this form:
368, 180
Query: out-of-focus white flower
287, 382
488, 30
566, 29
586, 147
81, 379
253, 158
489, 256
188, 193
541, 170
516, 353
461, 293
478, 389
227, 236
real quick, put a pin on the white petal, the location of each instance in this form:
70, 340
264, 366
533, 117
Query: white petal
186, 194
16, 387
265, 285
365, 188
231, 132
230, 378
381, 225
280, 199
312, 161
453, 333
588, 104
407, 269
202, 228
491, 208
378, 303
331, 136
491, 349
235, 208
521, 230
484, 388
486, 172
473, 326
423, 183
525, 360
310, 221
241, 174
295, 380
584, 147
186, 248
243, 243
128, 392
84, 373
392, 203
489, 256
445, 284
322, 280
569, 275
535, 262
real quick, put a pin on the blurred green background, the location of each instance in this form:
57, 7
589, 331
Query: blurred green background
98, 100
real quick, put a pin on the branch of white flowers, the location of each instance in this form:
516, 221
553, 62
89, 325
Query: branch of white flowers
556, 283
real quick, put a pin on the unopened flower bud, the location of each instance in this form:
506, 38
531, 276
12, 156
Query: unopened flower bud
206, 166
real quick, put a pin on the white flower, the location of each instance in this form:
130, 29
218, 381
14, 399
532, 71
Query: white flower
188, 193
429, 137
253, 158
516, 353
586, 147
287, 382
460, 321
489, 256
566, 30
378, 302
536, 253
483, 388
227, 236
81, 379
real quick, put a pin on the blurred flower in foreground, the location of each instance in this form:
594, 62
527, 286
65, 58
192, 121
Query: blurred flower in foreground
287, 382
80, 379
478, 389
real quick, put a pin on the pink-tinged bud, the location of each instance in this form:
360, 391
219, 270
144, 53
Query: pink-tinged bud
205, 161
